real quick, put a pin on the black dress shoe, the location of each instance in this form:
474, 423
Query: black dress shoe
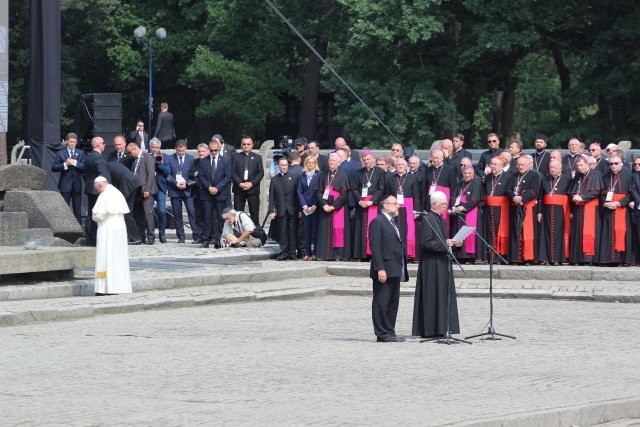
217, 245
180, 240
197, 241
151, 241
292, 257
162, 239
204, 245
282, 257
137, 242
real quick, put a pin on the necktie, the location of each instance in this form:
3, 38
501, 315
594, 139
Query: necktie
180, 163
395, 227
119, 156
135, 165
71, 153
213, 168
142, 140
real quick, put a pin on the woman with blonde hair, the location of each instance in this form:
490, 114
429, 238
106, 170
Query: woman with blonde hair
308, 197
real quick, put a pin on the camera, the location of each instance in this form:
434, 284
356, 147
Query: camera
286, 142
282, 154
157, 157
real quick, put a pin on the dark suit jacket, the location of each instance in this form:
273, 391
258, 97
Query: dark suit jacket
125, 159
283, 195
94, 166
228, 151
387, 250
193, 175
307, 194
146, 173
164, 127
222, 180
135, 137
356, 159
71, 178
123, 179
635, 193
254, 167
323, 162
174, 166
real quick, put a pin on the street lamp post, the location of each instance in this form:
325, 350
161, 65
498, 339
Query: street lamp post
161, 34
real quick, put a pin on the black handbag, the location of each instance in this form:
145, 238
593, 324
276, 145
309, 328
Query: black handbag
258, 232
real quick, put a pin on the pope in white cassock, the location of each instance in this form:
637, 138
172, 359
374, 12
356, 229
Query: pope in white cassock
112, 250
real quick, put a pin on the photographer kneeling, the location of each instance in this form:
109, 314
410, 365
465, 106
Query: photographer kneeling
238, 228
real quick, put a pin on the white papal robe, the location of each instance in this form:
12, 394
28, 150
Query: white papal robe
112, 250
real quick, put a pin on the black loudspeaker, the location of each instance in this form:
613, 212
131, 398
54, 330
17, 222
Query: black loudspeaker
98, 114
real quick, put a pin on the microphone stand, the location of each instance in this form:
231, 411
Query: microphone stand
491, 332
446, 338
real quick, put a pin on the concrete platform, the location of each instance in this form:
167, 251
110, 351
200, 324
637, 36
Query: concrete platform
46, 263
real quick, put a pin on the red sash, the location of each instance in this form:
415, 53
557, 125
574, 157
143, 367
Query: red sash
372, 212
411, 227
561, 200
501, 242
589, 227
620, 224
528, 229
338, 221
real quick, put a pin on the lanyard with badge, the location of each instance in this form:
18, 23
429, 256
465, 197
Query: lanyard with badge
494, 183
555, 184
367, 178
462, 191
436, 175
400, 195
327, 190
517, 189
612, 187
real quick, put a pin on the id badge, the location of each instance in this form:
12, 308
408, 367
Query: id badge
515, 192
609, 196
246, 174
432, 189
573, 174
487, 170
365, 191
457, 201
179, 177
400, 199
325, 196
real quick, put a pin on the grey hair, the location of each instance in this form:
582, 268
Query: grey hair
155, 141
438, 197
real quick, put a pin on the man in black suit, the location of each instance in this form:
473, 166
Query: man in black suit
94, 165
165, 131
69, 162
388, 269
283, 207
129, 185
354, 156
321, 160
140, 137
120, 153
203, 153
247, 172
226, 150
144, 168
180, 189
214, 175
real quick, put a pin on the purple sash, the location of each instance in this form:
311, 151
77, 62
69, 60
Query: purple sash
338, 221
472, 220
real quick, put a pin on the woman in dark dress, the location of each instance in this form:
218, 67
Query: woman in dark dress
308, 197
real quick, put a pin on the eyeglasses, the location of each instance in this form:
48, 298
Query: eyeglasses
214, 151
593, 149
636, 164
614, 163
492, 140
395, 149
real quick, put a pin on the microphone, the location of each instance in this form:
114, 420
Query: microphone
424, 213
454, 213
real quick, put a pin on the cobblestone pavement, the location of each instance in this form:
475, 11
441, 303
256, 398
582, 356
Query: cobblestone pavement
314, 362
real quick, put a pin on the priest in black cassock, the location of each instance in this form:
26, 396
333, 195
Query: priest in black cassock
466, 201
406, 188
615, 244
435, 289
541, 156
439, 177
585, 224
334, 233
368, 191
555, 217
523, 223
496, 210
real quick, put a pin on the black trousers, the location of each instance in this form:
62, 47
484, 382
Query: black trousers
133, 234
288, 238
143, 212
241, 199
199, 212
75, 198
384, 307
90, 226
212, 222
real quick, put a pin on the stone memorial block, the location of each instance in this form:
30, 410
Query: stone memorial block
11, 226
21, 176
45, 209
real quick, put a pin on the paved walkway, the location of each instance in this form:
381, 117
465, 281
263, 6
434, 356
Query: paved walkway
314, 362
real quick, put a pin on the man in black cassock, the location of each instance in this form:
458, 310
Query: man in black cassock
523, 224
334, 233
541, 156
466, 202
615, 243
585, 224
435, 289
388, 269
496, 210
283, 208
406, 188
439, 177
368, 191
554, 217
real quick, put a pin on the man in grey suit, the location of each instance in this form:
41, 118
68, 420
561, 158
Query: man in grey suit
144, 168
165, 131
388, 269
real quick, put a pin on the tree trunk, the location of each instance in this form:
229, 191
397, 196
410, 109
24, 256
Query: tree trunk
311, 91
565, 84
